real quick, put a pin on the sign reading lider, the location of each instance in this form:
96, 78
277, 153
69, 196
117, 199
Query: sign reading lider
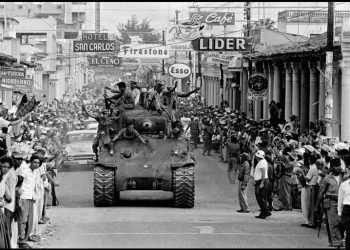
94, 42
213, 18
180, 70
221, 44
104, 61
144, 51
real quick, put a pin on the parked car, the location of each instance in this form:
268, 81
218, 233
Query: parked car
91, 124
78, 148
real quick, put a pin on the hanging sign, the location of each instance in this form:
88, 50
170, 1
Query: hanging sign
144, 51
104, 61
179, 70
221, 44
257, 87
213, 18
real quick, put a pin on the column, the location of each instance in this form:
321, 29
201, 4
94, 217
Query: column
304, 97
337, 100
288, 96
296, 88
270, 78
276, 82
345, 100
265, 103
313, 106
244, 98
234, 97
321, 92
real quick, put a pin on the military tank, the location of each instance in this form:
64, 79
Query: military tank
145, 171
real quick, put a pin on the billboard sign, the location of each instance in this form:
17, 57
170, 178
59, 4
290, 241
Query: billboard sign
221, 44
257, 86
139, 51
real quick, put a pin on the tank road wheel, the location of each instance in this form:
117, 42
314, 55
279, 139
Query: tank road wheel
104, 185
183, 187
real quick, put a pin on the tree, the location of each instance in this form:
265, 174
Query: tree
134, 28
267, 22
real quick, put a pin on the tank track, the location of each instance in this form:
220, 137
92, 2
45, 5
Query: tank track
104, 186
183, 187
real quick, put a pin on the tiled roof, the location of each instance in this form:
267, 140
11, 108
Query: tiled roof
315, 44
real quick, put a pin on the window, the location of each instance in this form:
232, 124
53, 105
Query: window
20, 6
59, 6
39, 6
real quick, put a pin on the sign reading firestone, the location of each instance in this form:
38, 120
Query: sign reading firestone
221, 44
94, 42
213, 18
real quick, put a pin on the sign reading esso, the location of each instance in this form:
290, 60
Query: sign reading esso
180, 70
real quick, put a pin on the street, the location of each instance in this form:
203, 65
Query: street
212, 223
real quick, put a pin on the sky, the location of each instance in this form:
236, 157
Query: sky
161, 13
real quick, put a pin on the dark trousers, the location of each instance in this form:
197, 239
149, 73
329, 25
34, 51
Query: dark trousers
207, 145
195, 136
269, 193
9, 217
345, 219
25, 222
261, 196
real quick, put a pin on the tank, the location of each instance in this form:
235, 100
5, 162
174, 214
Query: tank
145, 171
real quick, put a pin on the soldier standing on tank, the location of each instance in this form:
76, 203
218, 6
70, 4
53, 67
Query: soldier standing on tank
124, 99
129, 133
104, 124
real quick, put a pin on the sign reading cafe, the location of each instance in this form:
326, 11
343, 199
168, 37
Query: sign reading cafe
213, 18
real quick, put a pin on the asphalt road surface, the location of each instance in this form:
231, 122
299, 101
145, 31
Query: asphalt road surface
212, 223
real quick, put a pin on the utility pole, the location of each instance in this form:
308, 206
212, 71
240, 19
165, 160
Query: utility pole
250, 66
329, 70
176, 22
97, 17
199, 74
163, 64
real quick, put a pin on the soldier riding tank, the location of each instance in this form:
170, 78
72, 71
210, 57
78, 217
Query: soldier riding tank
160, 165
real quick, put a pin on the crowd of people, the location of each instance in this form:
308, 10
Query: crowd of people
30, 154
291, 169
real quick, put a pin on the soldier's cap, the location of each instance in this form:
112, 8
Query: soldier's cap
121, 84
335, 162
130, 122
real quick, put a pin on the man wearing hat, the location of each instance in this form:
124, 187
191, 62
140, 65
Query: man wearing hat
333, 207
261, 184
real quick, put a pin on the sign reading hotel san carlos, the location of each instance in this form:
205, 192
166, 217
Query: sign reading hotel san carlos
213, 18
180, 70
221, 44
94, 42
257, 86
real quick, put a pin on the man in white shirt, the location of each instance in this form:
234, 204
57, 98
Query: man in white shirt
27, 199
10, 178
261, 184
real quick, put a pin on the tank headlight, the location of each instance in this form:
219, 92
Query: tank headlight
70, 158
